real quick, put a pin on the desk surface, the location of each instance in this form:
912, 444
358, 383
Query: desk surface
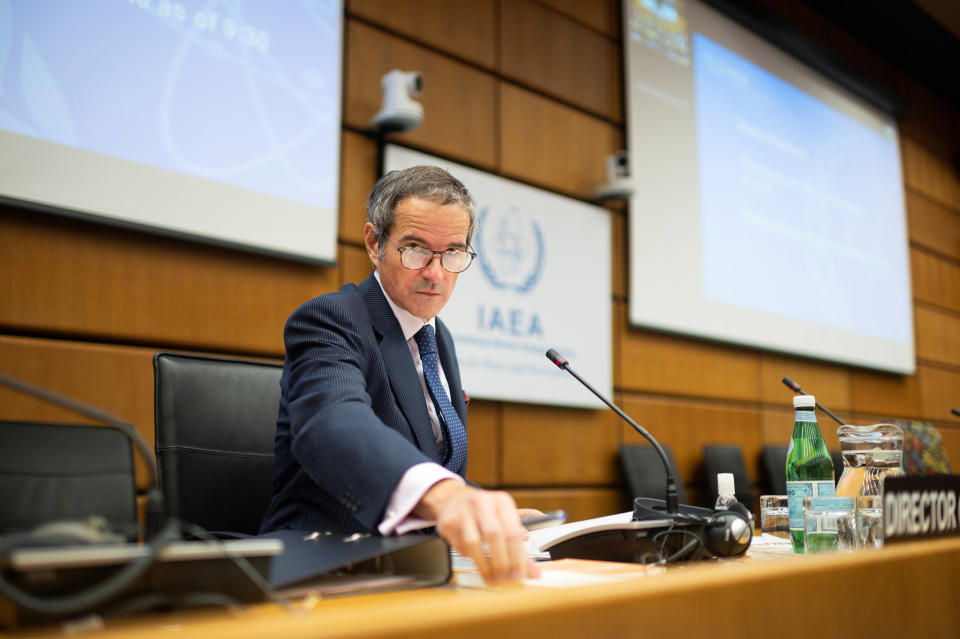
910, 590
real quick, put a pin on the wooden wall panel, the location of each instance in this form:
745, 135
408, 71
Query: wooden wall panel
550, 52
78, 278
936, 280
828, 382
580, 503
661, 363
951, 445
548, 445
484, 427
933, 225
618, 254
571, 162
458, 100
938, 336
883, 393
930, 173
463, 29
929, 120
354, 264
118, 379
686, 426
358, 174
602, 15
939, 392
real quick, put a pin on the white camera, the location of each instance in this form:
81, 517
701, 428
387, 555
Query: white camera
618, 186
400, 112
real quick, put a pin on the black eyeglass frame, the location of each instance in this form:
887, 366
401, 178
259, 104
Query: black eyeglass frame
442, 254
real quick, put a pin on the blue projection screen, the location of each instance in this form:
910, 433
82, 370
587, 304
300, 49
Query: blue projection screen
213, 119
768, 207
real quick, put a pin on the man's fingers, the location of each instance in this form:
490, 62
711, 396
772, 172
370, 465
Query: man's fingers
485, 527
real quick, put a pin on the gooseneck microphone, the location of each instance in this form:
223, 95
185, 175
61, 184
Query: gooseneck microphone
673, 499
955, 412
795, 387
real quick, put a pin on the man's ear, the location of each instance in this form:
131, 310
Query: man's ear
371, 244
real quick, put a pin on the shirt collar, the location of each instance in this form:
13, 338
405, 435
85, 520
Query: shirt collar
409, 323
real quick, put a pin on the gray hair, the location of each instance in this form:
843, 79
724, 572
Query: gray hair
428, 182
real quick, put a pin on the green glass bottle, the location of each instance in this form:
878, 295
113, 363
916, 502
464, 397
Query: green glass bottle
809, 467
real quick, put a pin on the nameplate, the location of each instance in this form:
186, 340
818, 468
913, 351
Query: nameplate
921, 507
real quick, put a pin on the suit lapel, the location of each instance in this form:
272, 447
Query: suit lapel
400, 368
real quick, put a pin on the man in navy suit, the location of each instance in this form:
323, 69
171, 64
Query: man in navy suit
371, 432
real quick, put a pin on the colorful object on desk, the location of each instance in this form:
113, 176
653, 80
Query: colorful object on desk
923, 452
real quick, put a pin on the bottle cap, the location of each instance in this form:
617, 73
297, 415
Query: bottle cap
804, 401
725, 486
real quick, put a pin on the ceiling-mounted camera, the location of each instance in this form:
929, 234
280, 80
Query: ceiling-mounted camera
400, 112
618, 186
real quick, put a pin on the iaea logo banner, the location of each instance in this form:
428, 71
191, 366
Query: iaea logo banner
510, 247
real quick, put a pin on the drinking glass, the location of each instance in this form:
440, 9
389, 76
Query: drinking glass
775, 515
822, 521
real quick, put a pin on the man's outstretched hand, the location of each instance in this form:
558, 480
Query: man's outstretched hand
483, 525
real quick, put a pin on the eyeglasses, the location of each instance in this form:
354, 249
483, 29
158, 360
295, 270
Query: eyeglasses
418, 257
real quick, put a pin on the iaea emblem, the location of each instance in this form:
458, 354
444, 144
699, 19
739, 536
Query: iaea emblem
511, 248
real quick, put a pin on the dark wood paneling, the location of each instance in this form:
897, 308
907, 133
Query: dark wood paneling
661, 363
929, 120
579, 503
618, 254
936, 281
598, 14
355, 265
933, 225
938, 336
484, 429
873, 392
939, 392
951, 445
828, 382
554, 54
547, 445
79, 278
930, 173
687, 425
458, 100
118, 379
553, 145
463, 29
357, 177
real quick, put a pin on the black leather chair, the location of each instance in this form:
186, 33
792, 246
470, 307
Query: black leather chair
215, 425
643, 469
52, 472
774, 461
727, 459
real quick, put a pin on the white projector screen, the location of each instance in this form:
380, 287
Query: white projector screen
210, 118
768, 207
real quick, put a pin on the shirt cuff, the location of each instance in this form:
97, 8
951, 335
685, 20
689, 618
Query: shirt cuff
411, 488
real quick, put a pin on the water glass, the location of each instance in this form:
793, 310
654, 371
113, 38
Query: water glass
869, 521
775, 515
825, 521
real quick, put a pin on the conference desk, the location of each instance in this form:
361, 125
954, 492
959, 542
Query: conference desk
909, 590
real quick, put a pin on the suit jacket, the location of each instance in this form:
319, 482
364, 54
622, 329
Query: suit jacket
352, 415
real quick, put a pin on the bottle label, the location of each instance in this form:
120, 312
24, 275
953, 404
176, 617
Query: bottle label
805, 416
797, 490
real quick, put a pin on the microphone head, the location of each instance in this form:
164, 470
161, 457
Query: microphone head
792, 385
556, 358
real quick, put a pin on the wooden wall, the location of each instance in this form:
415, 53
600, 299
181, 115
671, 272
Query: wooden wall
532, 90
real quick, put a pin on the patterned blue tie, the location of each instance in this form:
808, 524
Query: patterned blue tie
454, 434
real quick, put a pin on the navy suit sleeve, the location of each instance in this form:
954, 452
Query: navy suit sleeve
338, 395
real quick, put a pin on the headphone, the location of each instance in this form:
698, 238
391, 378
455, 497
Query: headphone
728, 533
722, 533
